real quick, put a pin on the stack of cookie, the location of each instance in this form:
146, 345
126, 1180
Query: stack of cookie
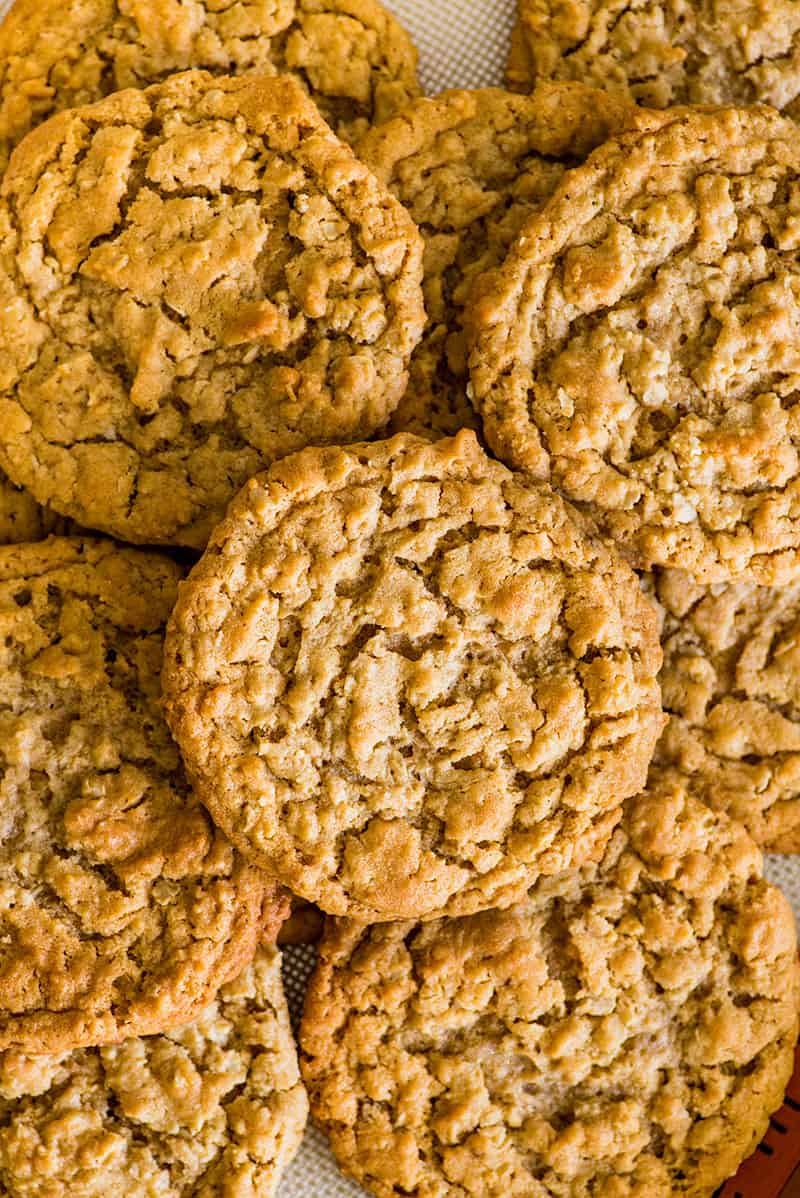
479, 413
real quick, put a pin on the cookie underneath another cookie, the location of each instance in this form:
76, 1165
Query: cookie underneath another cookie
731, 685
405, 680
122, 908
214, 1108
471, 167
659, 53
22, 518
637, 349
195, 279
624, 1031
357, 62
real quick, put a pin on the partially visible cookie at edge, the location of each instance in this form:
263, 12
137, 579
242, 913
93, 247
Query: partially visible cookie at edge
357, 62
215, 1107
122, 908
22, 518
731, 686
634, 347
471, 166
195, 279
661, 54
405, 680
627, 1029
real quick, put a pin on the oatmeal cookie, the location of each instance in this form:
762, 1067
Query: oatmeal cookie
638, 346
357, 63
731, 685
625, 1030
22, 518
663, 52
214, 1108
195, 279
122, 908
471, 167
404, 679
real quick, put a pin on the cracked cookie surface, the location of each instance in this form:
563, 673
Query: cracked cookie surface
624, 1032
357, 62
731, 686
404, 679
122, 908
196, 279
638, 345
664, 52
471, 167
214, 1108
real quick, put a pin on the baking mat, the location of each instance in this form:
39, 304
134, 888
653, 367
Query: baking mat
464, 43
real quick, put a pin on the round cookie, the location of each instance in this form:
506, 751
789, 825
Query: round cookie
122, 908
358, 64
626, 1030
637, 345
731, 685
195, 279
471, 167
22, 518
663, 53
406, 681
214, 1108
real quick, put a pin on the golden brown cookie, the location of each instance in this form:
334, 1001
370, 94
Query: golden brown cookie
22, 518
215, 1108
731, 685
356, 61
471, 167
122, 909
404, 679
663, 52
625, 1030
195, 279
637, 347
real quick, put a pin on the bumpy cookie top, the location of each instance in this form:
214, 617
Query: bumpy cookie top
471, 167
21, 517
661, 53
356, 61
404, 679
213, 1108
731, 683
638, 346
122, 909
195, 280
626, 1030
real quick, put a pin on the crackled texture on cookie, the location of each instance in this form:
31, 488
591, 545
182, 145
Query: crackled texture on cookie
216, 1108
356, 61
22, 518
639, 345
625, 1032
471, 167
195, 279
664, 52
404, 679
731, 685
122, 909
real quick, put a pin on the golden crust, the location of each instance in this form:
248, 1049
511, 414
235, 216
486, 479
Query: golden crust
471, 167
122, 909
214, 1108
631, 348
626, 1029
404, 679
195, 279
356, 61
